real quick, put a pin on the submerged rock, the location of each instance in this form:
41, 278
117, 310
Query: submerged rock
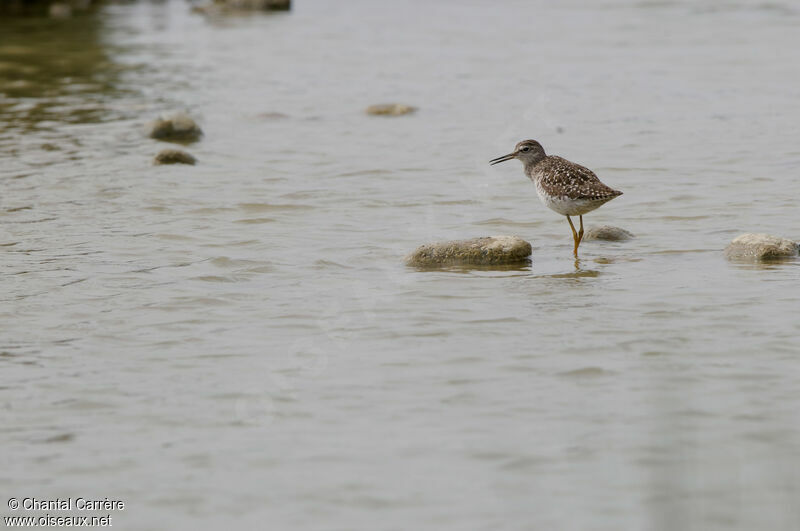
390, 109
493, 250
223, 7
177, 126
760, 247
607, 233
59, 10
173, 156
51, 8
271, 116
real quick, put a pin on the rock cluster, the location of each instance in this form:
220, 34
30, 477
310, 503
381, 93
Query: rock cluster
493, 250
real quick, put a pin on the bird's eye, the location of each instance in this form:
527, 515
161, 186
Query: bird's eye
526, 148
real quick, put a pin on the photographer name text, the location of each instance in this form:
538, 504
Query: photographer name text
66, 504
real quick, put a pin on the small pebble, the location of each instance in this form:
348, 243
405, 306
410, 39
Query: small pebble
174, 156
390, 109
178, 127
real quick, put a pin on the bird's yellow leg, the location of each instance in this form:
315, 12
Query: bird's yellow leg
580, 232
574, 237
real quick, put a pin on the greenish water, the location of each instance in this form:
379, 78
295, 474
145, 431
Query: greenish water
239, 344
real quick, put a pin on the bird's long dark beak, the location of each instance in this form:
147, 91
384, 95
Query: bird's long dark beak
504, 158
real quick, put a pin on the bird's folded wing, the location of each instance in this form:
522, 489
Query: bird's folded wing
560, 177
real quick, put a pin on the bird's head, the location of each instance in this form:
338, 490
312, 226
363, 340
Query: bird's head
528, 151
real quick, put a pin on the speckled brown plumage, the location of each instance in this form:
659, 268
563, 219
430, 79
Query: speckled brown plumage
562, 178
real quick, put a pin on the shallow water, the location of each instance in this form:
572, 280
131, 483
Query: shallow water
238, 343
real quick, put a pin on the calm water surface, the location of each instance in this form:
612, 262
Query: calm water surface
238, 343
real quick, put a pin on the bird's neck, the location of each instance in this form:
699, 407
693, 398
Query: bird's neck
530, 165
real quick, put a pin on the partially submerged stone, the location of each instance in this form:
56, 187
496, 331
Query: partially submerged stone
752, 246
492, 250
174, 156
607, 233
178, 127
390, 109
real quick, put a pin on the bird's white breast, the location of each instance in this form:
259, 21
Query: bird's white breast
564, 205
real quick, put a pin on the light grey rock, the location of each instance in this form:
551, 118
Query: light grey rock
173, 156
607, 233
178, 127
390, 109
492, 250
752, 246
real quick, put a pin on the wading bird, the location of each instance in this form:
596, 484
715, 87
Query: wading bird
563, 186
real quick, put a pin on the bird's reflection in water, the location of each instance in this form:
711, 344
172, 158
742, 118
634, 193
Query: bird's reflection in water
578, 273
